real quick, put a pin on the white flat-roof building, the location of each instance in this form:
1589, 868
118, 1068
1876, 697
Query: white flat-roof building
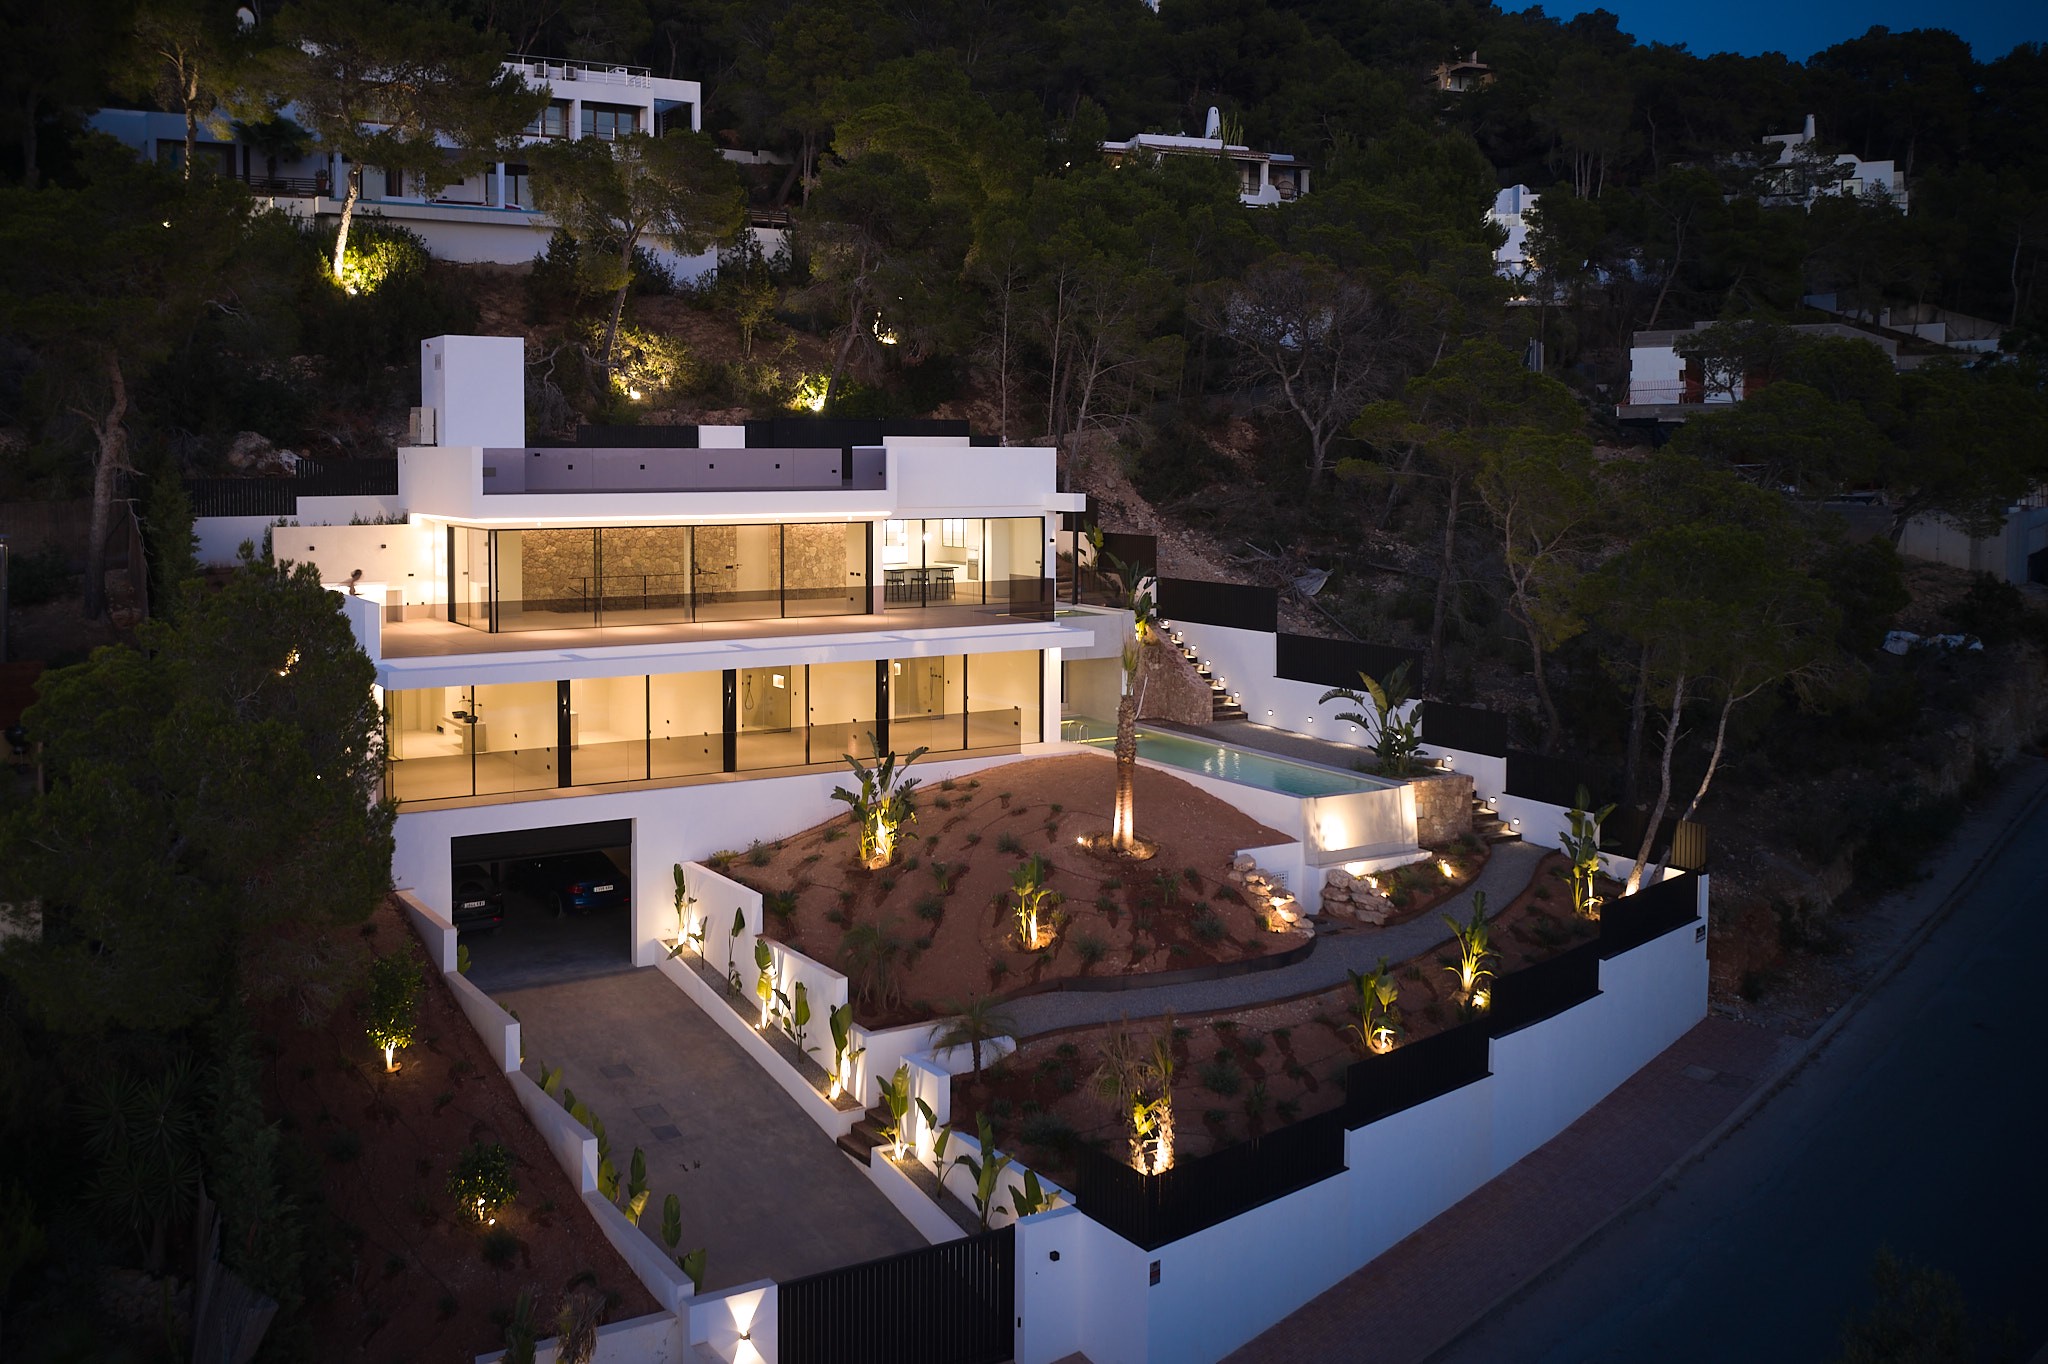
1263, 178
682, 632
1509, 213
1849, 175
485, 216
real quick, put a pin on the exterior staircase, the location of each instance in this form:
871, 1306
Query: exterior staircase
866, 1135
1224, 704
1488, 825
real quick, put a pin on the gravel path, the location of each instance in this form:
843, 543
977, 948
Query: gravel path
1507, 872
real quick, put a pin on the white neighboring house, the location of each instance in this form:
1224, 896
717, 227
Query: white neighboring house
1663, 383
670, 644
1263, 178
1509, 213
2018, 553
1851, 175
487, 216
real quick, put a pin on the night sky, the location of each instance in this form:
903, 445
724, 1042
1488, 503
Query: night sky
1991, 27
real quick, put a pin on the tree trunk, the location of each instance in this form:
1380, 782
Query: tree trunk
113, 458
191, 137
1443, 587
1123, 832
611, 332
853, 312
1553, 724
348, 213
1714, 758
1635, 875
1632, 755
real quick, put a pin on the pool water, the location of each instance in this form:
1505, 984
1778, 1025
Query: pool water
1225, 761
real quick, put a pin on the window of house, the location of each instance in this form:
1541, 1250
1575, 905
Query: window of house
610, 121
552, 121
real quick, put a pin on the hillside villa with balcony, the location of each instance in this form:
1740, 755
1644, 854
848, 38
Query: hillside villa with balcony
484, 217
1263, 178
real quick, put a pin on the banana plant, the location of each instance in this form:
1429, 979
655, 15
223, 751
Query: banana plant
1028, 881
882, 805
635, 1201
942, 1137
896, 1098
1581, 848
691, 1262
686, 934
1475, 950
1031, 1197
845, 1056
986, 1171
732, 973
1395, 741
1379, 1014
800, 1016
764, 979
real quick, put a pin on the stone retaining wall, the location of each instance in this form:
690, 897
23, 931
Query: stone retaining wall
1443, 808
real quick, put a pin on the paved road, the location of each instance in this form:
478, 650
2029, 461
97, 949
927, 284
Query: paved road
1920, 1127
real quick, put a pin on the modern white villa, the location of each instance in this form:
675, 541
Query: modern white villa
1849, 175
483, 217
1263, 178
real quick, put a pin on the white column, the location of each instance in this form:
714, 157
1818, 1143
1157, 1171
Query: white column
575, 116
498, 183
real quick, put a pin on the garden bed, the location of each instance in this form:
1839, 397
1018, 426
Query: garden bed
938, 925
1243, 1072
413, 1278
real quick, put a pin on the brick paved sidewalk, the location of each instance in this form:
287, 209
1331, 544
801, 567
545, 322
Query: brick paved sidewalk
1416, 1297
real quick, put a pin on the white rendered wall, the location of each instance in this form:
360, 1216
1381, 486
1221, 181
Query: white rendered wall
1244, 660
477, 385
399, 556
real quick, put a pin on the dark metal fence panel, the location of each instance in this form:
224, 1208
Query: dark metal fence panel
1415, 1072
1336, 662
1650, 913
1545, 989
953, 1303
1556, 781
1228, 604
280, 496
1465, 729
1197, 1193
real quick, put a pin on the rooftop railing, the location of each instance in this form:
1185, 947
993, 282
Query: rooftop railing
563, 69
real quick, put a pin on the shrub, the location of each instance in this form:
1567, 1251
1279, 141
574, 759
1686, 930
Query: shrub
392, 1012
1207, 926
1221, 1076
780, 903
482, 1181
1048, 1130
1007, 843
33, 579
931, 908
758, 854
1091, 949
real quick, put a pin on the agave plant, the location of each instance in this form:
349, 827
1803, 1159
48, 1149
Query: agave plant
1379, 1012
1395, 741
1581, 848
882, 806
1475, 950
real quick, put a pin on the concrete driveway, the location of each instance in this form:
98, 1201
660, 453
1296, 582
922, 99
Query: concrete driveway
762, 1188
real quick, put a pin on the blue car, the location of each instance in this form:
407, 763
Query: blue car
574, 883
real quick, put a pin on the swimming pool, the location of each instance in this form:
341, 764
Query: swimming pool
1227, 762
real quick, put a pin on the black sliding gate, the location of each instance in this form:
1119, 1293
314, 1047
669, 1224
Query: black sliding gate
946, 1304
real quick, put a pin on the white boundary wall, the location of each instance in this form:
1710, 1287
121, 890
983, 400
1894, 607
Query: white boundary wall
1223, 1286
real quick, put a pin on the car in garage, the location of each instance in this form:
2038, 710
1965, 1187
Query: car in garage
574, 883
479, 898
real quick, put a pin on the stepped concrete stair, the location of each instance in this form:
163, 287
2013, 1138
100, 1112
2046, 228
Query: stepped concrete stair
1224, 704
867, 1134
1487, 823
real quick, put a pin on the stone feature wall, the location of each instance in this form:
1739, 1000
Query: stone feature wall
1443, 807
557, 568
659, 553
1169, 688
816, 563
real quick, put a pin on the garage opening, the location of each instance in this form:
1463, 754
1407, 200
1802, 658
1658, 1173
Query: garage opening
536, 906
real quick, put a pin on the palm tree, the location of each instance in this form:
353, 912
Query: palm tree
976, 1021
1134, 586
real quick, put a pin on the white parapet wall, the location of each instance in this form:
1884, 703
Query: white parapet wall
1207, 1294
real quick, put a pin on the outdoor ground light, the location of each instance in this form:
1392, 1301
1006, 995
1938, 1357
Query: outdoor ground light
1450, 872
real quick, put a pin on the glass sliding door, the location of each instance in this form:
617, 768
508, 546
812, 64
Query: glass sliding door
546, 579
1016, 558
513, 737
1003, 700
469, 593
825, 569
772, 715
608, 730
927, 707
645, 575
737, 572
429, 749
686, 724
842, 710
